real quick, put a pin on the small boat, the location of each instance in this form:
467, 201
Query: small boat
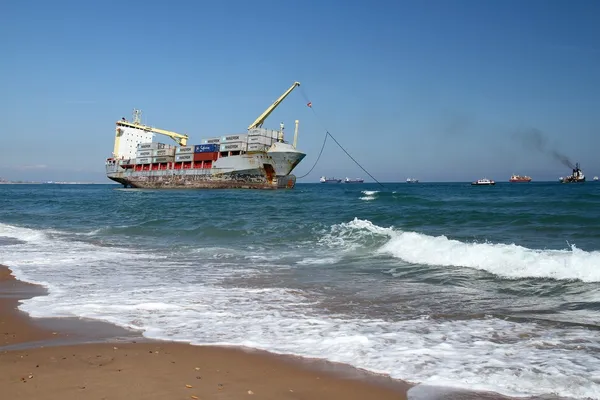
576, 177
324, 179
595, 178
483, 182
357, 180
412, 180
519, 178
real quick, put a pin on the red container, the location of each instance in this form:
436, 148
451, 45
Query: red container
206, 156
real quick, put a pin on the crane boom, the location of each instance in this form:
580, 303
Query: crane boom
260, 120
178, 137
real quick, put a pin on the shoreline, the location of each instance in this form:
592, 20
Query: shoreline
67, 358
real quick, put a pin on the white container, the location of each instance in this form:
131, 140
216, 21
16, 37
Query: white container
184, 157
260, 140
143, 160
154, 146
162, 159
257, 147
211, 140
144, 153
239, 146
163, 152
184, 149
147, 146
234, 138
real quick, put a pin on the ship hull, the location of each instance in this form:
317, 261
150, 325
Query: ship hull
573, 180
231, 181
260, 170
519, 180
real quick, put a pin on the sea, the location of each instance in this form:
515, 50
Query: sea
493, 288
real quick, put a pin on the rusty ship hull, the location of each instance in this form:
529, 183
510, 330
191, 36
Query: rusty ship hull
269, 169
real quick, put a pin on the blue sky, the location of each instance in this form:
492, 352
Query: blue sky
438, 90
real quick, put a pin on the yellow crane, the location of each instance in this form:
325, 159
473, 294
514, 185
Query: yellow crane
260, 120
178, 137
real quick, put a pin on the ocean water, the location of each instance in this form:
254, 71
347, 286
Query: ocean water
487, 288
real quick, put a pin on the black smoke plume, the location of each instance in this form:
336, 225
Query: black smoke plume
534, 139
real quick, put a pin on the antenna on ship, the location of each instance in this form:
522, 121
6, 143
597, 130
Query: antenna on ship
281, 132
137, 116
296, 134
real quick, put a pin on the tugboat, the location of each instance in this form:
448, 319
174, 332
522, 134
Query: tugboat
518, 178
576, 177
324, 179
412, 180
483, 182
357, 180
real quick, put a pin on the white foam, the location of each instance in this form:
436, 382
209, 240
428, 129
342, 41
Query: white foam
369, 195
185, 300
318, 260
505, 260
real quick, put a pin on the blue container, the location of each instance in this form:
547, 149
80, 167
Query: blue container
206, 148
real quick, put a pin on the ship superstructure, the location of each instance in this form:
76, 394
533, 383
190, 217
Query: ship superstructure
257, 159
576, 177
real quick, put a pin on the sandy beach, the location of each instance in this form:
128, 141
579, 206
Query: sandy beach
74, 359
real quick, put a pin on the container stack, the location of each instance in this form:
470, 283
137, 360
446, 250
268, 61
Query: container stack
259, 142
184, 154
206, 152
256, 140
148, 153
234, 143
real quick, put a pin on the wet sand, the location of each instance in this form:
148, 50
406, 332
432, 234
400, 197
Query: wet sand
68, 358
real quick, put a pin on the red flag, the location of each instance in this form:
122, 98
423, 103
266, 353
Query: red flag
309, 104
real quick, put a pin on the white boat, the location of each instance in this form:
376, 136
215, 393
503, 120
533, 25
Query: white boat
595, 178
483, 182
412, 180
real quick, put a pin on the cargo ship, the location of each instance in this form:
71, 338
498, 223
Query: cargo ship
325, 179
258, 159
576, 177
519, 179
356, 180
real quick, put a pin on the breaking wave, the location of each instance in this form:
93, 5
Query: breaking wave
505, 260
369, 194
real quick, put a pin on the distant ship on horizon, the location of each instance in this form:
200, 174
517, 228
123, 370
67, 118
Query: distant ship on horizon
325, 179
412, 180
576, 177
519, 178
356, 180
